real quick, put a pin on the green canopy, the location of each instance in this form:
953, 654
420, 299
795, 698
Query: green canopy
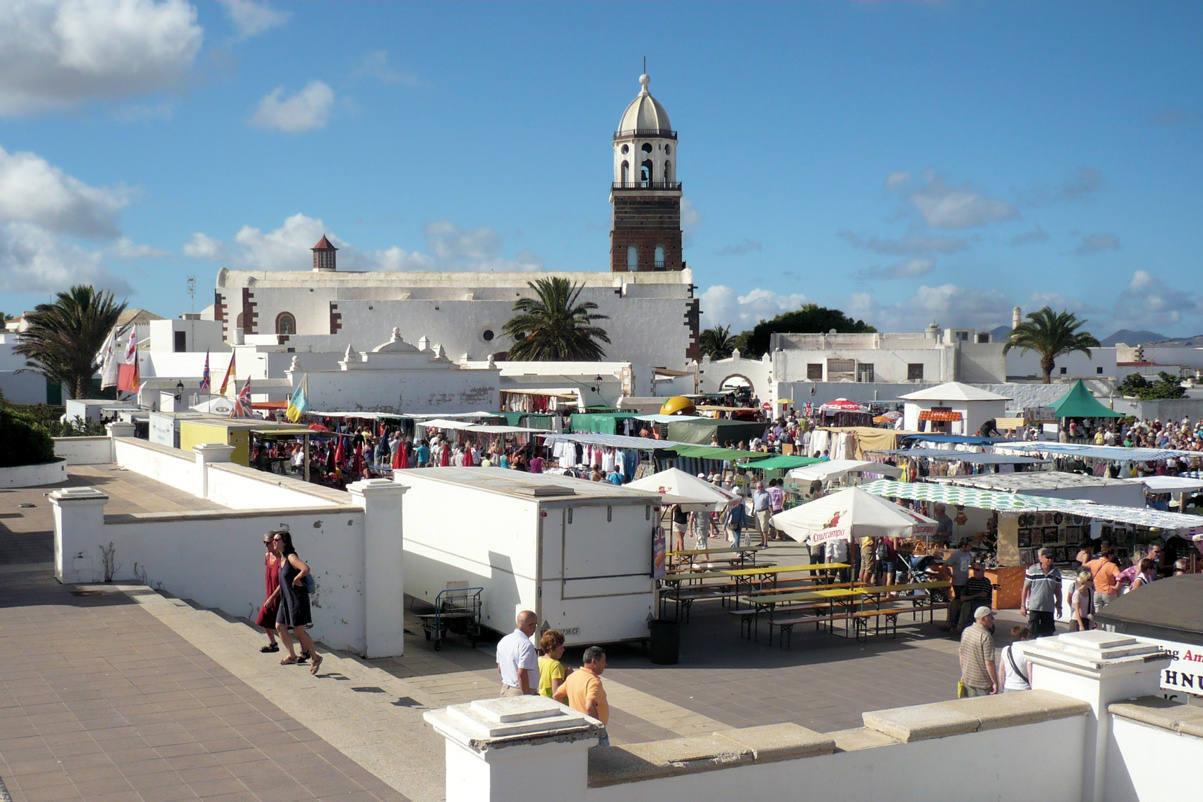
725, 431
597, 422
780, 462
1079, 403
713, 452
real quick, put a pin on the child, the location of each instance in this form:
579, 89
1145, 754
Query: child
1081, 601
552, 672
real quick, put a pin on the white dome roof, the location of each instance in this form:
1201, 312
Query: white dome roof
644, 112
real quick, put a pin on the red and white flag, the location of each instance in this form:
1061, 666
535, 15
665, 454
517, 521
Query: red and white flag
127, 368
108, 361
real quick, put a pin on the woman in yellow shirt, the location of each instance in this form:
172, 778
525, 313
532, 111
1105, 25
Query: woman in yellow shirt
551, 671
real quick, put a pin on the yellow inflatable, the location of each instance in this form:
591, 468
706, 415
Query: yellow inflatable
678, 405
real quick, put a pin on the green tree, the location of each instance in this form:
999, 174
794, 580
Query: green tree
555, 325
1051, 334
1166, 386
717, 343
63, 337
810, 319
25, 441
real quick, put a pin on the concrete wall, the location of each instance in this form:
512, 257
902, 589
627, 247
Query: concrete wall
441, 388
84, 450
169, 466
1147, 762
982, 765
199, 335
19, 386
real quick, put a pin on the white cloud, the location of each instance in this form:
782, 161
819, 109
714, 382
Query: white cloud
723, 306
306, 110
1140, 280
251, 18
1149, 303
909, 245
126, 248
202, 246
944, 206
896, 179
34, 260
57, 53
448, 247
375, 64
690, 217
911, 268
34, 191
1032, 235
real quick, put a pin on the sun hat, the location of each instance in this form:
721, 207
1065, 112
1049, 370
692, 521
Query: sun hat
982, 612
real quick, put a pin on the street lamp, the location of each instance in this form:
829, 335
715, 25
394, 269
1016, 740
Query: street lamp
179, 391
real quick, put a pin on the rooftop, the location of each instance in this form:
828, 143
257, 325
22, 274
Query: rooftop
530, 486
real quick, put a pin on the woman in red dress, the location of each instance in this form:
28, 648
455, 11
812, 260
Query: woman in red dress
271, 589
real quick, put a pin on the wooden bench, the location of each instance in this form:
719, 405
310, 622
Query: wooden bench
786, 625
686, 596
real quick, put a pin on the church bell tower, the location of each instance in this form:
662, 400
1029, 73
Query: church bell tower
645, 196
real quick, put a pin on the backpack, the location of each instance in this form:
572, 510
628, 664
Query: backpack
882, 552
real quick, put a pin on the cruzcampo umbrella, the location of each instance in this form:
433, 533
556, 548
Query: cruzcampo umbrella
687, 489
851, 513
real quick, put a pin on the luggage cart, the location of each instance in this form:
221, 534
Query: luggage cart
456, 610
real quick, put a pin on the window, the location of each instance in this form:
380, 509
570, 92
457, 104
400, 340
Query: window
626, 149
632, 258
180, 343
864, 373
626, 173
286, 324
659, 261
962, 336
1099, 370
814, 372
983, 337
914, 371
668, 150
487, 335
238, 321
841, 370
668, 171
1064, 371
647, 148
645, 174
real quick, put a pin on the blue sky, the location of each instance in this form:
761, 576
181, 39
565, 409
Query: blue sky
906, 162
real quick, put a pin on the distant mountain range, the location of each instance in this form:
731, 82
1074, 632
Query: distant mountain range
1126, 336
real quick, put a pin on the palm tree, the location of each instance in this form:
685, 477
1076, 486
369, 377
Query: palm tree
63, 337
1051, 334
554, 325
717, 343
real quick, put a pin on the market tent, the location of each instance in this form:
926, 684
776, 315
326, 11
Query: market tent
834, 468
851, 513
1111, 453
1171, 522
442, 423
960, 439
1079, 403
658, 418
611, 440
694, 493
598, 422
870, 438
1167, 484
716, 453
780, 462
726, 431
217, 405
971, 457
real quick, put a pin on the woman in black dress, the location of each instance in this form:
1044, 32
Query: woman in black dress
294, 612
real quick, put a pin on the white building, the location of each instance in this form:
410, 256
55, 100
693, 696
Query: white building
647, 295
951, 408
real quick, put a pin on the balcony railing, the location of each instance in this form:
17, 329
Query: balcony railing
646, 185
662, 133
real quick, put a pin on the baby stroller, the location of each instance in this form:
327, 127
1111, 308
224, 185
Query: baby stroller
921, 568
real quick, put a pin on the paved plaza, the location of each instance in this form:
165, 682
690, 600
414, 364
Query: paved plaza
120, 692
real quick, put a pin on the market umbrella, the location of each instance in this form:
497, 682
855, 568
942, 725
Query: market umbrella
833, 468
851, 513
318, 427
688, 490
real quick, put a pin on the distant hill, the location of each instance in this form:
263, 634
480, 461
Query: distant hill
999, 334
1133, 337
1183, 342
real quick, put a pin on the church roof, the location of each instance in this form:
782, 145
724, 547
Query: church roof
644, 113
323, 245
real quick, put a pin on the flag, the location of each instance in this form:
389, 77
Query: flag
108, 360
242, 402
297, 404
206, 381
127, 369
229, 375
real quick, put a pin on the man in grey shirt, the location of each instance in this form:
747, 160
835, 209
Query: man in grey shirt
1041, 598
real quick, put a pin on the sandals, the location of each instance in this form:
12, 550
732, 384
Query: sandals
313, 667
289, 661
271, 647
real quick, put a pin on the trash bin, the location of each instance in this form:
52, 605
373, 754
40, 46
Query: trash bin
665, 644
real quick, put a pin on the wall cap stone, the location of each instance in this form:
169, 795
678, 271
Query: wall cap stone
977, 714
1158, 712
488, 724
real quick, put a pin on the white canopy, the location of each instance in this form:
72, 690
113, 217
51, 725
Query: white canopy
851, 513
834, 468
1168, 484
692, 492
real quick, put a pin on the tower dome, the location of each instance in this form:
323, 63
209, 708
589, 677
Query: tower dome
644, 114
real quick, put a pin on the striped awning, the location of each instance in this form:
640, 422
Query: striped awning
940, 415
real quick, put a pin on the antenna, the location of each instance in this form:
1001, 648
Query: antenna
645, 65
191, 283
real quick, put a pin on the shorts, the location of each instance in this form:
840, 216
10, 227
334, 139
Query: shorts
681, 528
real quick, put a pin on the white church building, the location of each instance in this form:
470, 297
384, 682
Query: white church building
647, 294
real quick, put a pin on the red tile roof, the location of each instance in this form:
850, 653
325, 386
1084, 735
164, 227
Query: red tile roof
323, 245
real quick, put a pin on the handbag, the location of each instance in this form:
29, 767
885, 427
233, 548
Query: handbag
961, 692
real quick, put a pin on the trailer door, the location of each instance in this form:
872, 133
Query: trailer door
606, 551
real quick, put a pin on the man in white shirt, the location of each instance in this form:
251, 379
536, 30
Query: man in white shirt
517, 660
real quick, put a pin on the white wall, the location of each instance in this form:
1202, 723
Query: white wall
1146, 762
995, 764
441, 388
216, 560
243, 488
169, 466
84, 450
1026, 364
18, 385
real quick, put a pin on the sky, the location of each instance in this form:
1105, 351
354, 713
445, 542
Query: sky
907, 162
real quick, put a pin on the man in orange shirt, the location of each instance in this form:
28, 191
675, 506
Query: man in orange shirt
583, 691
1106, 578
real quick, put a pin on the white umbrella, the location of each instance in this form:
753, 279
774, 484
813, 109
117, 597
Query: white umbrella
851, 513
217, 405
686, 489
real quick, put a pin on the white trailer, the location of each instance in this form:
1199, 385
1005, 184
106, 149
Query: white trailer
165, 427
579, 554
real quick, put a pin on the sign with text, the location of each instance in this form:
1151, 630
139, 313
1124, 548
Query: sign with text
1185, 673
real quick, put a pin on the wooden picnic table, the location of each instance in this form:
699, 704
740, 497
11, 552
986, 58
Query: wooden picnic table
741, 578
734, 555
849, 596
